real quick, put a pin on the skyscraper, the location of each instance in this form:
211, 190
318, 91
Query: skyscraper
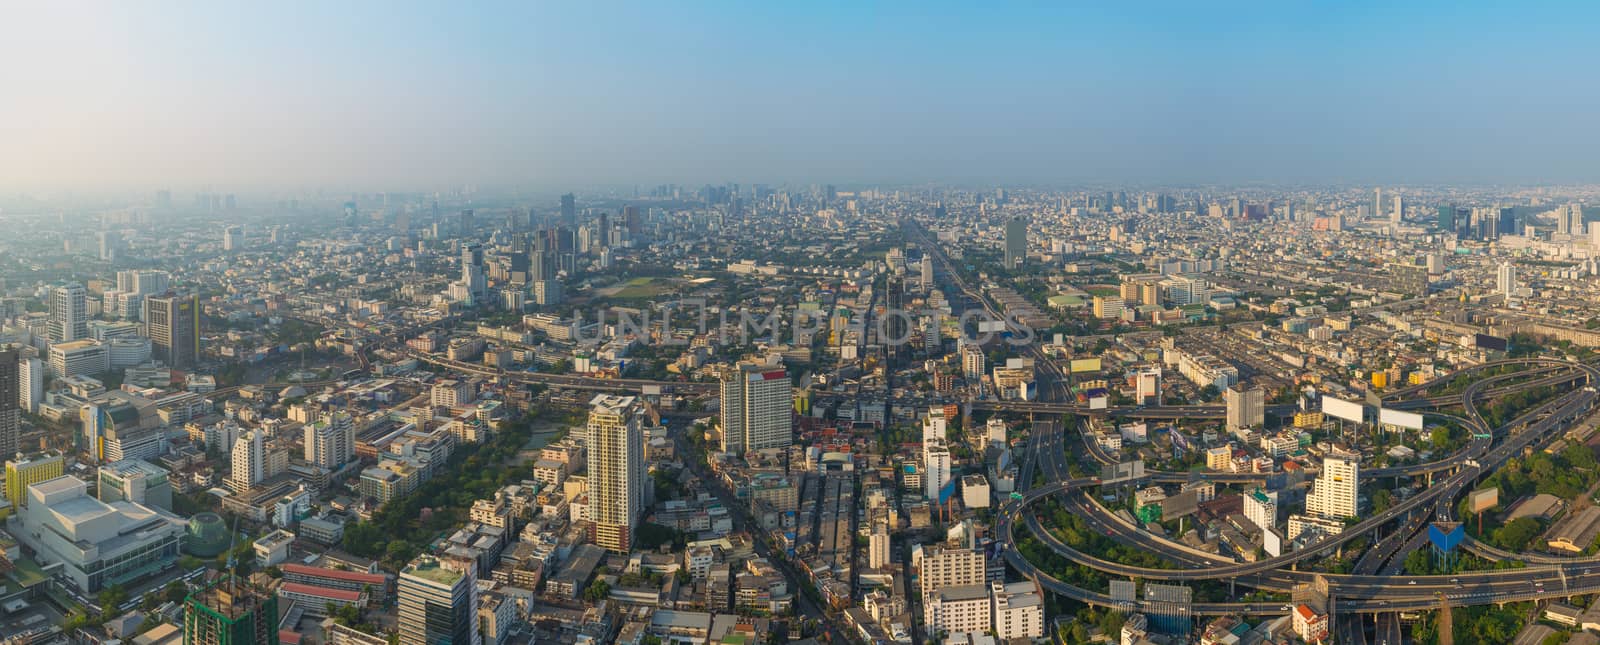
330, 441
438, 602
756, 409
230, 612
1506, 280
69, 313
616, 470
174, 328
1333, 495
10, 404
1398, 214
1377, 202
569, 209
1447, 219
1016, 242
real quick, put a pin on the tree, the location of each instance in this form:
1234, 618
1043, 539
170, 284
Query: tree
174, 591
597, 591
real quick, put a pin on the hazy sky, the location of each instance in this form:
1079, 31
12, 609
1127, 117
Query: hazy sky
387, 95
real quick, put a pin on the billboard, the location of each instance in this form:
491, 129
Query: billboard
1347, 410
1098, 403
1389, 417
1081, 365
1117, 472
1486, 341
1483, 500
1446, 536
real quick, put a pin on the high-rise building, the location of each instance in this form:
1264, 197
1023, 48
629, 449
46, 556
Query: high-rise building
11, 395
972, 362
757, 409
1016, 242
249, 460
330, 441
936, 467
233, 238
1246, 406
569, 209
230, 612
946, 567
1262, 508
616, 470
1333, 495
1377, 201
30, 383
1447, 219
1398, 214
174, 329
438, 602
69, 313
1506, 280
22, 472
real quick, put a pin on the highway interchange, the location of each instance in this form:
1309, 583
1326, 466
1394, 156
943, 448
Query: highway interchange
1375, 587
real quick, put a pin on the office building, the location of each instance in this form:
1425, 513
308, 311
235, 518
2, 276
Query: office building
69, 313
1016, 243
12, 395
1333, 494
330, 442
249, 460
79, 358
1447, 219
96, 544
22, 472
757, 409
1246, 406
569, 209
174, 329
137, 481
616, 470
230, 611
438, 602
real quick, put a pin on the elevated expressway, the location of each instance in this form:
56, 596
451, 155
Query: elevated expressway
1375, 591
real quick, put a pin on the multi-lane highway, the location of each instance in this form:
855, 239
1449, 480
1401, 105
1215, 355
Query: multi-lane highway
1374, 587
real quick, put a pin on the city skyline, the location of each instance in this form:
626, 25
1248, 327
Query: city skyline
547, 96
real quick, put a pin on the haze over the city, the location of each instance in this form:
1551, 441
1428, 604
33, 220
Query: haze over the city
375, 96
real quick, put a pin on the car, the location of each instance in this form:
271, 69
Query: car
1285, 608
1412, 582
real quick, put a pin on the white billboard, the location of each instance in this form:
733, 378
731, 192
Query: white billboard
1098, 403
1347, 410
1400, 418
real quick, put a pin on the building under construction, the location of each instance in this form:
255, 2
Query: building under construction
230, 612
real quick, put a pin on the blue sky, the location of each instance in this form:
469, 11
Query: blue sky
396, 95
